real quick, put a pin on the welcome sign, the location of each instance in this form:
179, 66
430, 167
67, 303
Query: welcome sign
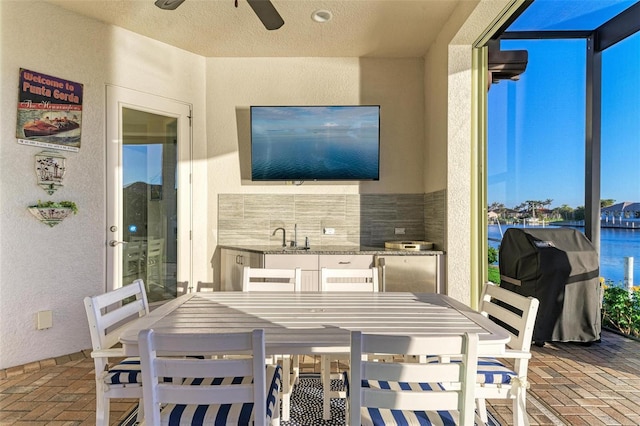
49, 111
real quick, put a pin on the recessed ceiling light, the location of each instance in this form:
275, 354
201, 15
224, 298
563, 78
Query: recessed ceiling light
322, 16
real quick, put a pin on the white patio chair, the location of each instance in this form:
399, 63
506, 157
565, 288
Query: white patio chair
182, 288
270, 279
155, 262
207, 390
205, 286
341, 279
496, 380
107, 315
392, 393
132, 261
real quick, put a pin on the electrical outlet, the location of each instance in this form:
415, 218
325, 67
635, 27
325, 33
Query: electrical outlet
399, 231
44, 320
329, 231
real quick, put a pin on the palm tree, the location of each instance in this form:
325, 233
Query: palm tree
498, 208
564, 211
533, 205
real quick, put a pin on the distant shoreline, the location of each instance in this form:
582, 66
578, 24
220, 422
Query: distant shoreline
625, 224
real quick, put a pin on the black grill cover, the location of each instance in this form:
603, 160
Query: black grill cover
559, 267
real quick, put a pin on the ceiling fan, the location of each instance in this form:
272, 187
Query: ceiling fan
264, 9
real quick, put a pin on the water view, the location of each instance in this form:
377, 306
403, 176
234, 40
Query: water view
615, 245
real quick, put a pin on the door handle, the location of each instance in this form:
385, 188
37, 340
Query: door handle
114, 243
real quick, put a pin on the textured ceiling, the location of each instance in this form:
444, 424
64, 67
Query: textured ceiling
359, 28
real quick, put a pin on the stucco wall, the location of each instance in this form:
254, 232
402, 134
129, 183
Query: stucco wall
44, 268
234, 84
448, 131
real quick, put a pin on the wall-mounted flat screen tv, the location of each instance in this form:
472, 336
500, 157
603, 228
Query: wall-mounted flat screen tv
314, 143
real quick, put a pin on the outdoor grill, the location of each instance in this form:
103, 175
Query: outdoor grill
559, 267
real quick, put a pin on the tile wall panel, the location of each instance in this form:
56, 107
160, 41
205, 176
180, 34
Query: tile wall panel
435, 218
230, 206
267, 206
366, 220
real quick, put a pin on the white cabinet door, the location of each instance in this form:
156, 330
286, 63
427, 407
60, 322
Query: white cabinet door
307, 262
233, 261
344, 261
311, 264
347, 261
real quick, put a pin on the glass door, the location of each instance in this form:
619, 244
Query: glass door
147, 179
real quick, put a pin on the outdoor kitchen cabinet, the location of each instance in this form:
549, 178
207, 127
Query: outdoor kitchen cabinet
233, 261
311, 264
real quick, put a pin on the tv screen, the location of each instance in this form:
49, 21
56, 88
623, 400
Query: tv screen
298, 143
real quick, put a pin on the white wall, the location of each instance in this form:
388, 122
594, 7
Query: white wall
234, 84
44, 268
34, 276
448, 131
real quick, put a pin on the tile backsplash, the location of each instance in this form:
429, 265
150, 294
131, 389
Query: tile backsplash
365, 220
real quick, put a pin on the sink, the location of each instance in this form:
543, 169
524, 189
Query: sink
296, 248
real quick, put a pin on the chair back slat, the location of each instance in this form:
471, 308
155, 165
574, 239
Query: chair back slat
193, 367
191, 395
130, 309
120, 294
345, 279
271, 279
410, 372
412, 401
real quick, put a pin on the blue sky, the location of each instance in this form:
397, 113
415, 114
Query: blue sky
142, 163
537, 125
301, 120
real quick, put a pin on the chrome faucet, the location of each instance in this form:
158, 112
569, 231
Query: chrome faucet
284, 235
294, 243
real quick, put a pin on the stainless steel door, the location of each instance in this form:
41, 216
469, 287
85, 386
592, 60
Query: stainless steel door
412, 273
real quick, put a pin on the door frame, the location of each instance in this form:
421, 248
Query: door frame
118, 98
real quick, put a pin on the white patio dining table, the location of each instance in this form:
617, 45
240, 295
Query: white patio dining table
317, 323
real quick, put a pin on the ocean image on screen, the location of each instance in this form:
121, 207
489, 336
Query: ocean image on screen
315, 143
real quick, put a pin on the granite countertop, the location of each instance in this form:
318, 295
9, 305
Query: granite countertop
318, 249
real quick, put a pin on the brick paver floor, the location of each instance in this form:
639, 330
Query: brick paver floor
571, 384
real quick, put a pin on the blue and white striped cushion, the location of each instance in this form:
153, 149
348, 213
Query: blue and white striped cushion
382, 417
274, 384
490, 371
408, 386
223, 414
386, 417
127, 372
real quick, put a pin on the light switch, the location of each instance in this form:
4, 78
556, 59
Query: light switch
399, 231
44, 319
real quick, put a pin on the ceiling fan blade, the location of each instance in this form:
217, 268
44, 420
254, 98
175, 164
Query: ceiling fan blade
266, 13
168, 4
